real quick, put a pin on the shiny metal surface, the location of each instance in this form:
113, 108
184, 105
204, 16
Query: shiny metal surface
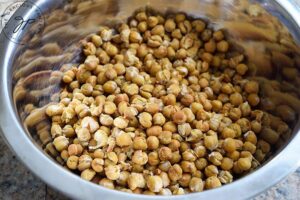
32, 155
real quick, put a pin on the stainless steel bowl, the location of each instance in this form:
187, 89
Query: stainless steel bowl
22, 81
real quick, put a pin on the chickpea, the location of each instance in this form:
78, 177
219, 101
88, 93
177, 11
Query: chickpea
179, 117
170, 25
139, 157
175, 172
110, 87
61, 143
154, 183
152, 142
159, 119
72, 162
222, 46
123, 139
145, 119
97, 165
165, 153
251, 87
112, 172
211, 142
120, 122
196, 185
136, 180
153, 158
165, 137
236, 99
241, 69
244, 164
212, 182
253, 99
152, 21
107, 183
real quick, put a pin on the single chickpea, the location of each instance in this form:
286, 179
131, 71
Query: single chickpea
72, 162
253, 99
201, 163
218, 35
84, 162
139, 157
165, 137
244, 164
154, 131
61, 143
97, 165
170, 25
120, 122
196, 184
211, 142
165, 153
75, 149
153, 158
251, 87
175, 172
136, 180
88, 174
154, 183
109, 108
123, 139
229, 145
236, 99
159, 119
152, 142
215, 158
227, 163
145, 119
241, 69
211, 170
112, 172
179, 117
189, 155
212, 182
152, 21
222, 46
105, 182
185, 180
110, 87
140, 143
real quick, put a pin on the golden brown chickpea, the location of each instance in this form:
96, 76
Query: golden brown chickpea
253, 99
236, 99
212, 182
153, 158
170, 25
165, 137
140, 143
179, 117
154, 131
175, 172
165, 153
227, 164
251, 87
222, 46
152, 142
210, 46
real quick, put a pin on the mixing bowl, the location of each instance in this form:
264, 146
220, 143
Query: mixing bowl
42, 38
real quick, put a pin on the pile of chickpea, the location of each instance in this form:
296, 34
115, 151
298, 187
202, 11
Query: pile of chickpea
160, 106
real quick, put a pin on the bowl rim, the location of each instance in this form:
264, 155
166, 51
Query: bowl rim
287, 161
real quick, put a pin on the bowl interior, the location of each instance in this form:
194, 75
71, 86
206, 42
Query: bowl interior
268, 38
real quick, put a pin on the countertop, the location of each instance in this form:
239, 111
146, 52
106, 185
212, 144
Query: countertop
16, 182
